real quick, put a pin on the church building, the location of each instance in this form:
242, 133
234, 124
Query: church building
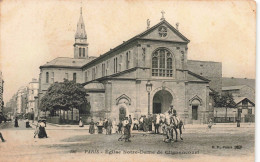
144, 75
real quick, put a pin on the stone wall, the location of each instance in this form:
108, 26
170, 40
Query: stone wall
210, 70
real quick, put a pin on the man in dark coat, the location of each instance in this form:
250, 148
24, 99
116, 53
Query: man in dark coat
16, 122
92, 127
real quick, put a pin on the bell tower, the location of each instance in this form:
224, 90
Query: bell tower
81, 45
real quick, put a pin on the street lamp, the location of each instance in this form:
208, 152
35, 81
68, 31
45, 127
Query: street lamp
216, 116
149, 86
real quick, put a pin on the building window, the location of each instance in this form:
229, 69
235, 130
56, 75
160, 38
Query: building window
250, 111
162, 63
52, 77
93, 74
75, 77
103, 69
86, 76
115, 65
47, 77
83, 52
244, 104
79, 52
127, 59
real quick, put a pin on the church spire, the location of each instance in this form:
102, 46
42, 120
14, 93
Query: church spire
81, 45
81, 32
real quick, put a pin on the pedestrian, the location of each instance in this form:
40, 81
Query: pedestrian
141, 123
42, 132
106, 125
136, 123
92, 127
114, 127
16, 122
100, 126
81, 122
210, 123
27, 123
2, 138
127, 128
157, 124
36, 132
109, 127
120, 125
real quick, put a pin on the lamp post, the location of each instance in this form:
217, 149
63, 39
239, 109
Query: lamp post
216, 116
149, 86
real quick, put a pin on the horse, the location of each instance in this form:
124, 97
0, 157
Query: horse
172, 123
177, 123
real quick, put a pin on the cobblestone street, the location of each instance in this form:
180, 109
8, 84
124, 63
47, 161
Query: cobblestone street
222, 141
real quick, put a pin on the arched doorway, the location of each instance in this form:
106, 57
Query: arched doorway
162, 100
195, 106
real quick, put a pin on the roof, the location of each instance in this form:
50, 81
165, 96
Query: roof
238, 100
94, 86
231, 81
195, 77
66, 62
233, 87
139, 37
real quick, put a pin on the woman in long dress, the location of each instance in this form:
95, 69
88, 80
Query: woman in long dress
81, 122
16, 122
42, 132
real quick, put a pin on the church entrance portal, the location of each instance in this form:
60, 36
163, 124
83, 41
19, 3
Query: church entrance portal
122, 113
162, 100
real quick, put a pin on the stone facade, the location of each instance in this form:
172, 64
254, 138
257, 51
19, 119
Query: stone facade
117, 81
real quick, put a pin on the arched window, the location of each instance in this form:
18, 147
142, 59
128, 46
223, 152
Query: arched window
47, 77
162, 63
83, 52
79, 52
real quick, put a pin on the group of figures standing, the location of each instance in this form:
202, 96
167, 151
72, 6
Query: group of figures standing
166, 124
124, 126
39, 129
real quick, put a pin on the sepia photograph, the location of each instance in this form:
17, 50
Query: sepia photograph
127, 80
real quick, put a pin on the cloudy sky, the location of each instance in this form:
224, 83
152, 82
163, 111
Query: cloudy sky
34, 32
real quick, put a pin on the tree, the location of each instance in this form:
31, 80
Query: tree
224, 100
64, 96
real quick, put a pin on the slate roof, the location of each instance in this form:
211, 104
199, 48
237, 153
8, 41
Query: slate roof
66, 62
233, 87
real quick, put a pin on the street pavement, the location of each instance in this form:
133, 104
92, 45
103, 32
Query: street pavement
72, 143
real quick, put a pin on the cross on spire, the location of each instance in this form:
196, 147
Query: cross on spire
162, 15
81, 7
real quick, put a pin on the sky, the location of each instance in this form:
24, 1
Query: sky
35, 32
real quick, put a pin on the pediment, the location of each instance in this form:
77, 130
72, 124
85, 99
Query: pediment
164, 31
